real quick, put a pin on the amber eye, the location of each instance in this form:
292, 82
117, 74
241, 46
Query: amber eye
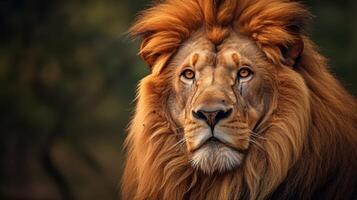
188, 74
244, 73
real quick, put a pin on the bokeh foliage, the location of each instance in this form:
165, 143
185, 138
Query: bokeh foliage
68, 75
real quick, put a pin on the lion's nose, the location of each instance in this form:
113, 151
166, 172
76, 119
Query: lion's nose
211, 117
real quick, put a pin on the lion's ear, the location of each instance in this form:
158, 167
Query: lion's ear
148, 58
154, 59
292, 52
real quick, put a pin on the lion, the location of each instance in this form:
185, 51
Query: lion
239, 104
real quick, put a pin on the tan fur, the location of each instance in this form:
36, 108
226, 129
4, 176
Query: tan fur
310, 134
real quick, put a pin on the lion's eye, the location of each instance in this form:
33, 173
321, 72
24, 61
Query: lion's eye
188, 74
244, 73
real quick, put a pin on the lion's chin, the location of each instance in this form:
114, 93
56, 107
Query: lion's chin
216, 157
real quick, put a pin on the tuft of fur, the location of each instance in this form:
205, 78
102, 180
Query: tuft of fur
311, 141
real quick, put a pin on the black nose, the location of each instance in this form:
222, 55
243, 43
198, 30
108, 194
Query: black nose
211, 117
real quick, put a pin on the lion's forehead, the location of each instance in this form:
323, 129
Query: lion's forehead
234, 51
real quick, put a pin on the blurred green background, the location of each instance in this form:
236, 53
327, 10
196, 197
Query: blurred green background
68, 75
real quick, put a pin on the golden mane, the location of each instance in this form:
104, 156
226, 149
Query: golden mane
322, 163
272, 23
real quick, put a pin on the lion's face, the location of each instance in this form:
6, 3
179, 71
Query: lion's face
221, 94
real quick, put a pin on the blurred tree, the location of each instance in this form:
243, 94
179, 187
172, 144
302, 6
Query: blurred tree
63, 75
334, 29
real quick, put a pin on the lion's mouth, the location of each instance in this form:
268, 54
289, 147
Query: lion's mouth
215, 142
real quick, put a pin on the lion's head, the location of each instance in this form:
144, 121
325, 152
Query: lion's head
238, 105
221, 97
